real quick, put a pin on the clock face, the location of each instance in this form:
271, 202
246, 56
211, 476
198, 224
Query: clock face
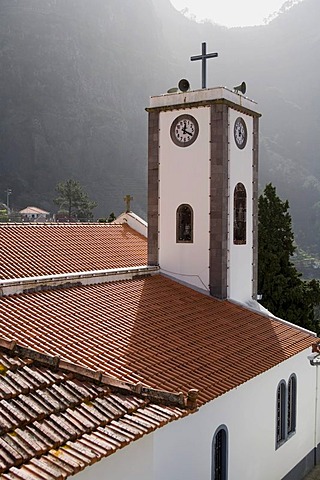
184, 130
240, 133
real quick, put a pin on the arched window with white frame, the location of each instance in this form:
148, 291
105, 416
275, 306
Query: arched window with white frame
220, 454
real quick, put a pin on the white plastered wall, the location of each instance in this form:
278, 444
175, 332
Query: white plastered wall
240, 260
184, 178
183, 448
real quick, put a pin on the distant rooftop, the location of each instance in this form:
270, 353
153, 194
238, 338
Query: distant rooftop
33, 211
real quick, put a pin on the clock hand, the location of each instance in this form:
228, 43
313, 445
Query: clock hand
187, 132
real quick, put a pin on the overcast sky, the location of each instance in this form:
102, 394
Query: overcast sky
231, 13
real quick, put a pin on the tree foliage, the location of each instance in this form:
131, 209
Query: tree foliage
4, 217
73, 199
283, 291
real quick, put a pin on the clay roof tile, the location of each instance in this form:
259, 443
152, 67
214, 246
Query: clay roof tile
30, 250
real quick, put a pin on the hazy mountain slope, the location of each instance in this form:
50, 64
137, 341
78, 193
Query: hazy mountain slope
76, 76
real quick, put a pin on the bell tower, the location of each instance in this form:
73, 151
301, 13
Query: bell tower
203, 190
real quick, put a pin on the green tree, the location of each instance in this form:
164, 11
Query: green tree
283, 291
111, 217
4, 216
73, 199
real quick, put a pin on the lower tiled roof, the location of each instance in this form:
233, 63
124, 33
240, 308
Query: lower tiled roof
153, 330
53, 423
31, 250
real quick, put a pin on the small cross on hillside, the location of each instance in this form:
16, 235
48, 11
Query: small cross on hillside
127, 200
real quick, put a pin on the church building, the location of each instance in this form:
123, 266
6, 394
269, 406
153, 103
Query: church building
149, 357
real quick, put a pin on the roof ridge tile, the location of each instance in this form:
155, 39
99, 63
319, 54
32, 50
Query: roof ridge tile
55, 363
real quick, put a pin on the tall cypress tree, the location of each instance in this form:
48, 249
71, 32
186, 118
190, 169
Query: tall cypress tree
283, 291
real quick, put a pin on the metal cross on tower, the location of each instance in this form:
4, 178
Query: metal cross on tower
203, 57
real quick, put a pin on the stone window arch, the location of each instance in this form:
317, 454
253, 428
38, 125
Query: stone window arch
240, 215
184, 222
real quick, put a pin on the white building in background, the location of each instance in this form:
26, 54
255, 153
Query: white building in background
34, 214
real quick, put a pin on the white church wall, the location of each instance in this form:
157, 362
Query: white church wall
134, 461
240, 170
183, 448
184, 178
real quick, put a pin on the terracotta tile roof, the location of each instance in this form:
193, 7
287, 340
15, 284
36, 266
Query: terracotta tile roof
54, 423
153, 330
45, 249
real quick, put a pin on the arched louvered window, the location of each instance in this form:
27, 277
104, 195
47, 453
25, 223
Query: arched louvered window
281, 413
292, 404
286, 410
239, 215
184, 224
220, 454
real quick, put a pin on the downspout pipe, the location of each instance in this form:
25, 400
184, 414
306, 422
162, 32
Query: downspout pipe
314, 360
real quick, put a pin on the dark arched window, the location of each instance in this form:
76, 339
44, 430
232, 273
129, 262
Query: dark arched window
281, 413
286, 408
184, 224
220, 454
292, 404
239, 215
